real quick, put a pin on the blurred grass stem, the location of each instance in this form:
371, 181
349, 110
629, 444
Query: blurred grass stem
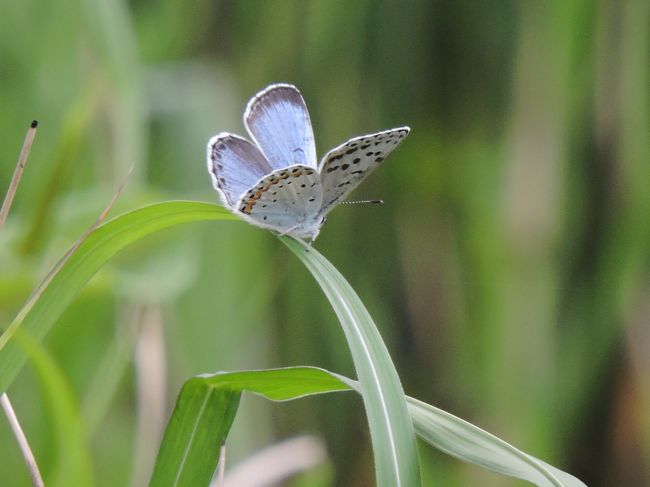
34, 473
28, 455
150, 368
8, 333
277, 463
13, 421
18, 172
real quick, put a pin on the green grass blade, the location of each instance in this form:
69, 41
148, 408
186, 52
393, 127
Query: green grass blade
198, 427
280, 384
467, 442
59, 288
211, 401
205, 410
391, 430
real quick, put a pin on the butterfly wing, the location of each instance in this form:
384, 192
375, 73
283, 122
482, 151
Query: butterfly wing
344, 167
285, 199
235, 165
278, 121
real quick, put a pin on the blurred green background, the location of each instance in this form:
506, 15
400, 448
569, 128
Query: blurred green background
509, 270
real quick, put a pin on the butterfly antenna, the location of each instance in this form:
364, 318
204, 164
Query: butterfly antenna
364, 202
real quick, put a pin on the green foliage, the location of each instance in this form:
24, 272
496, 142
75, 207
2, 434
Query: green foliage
507, 271
74, 270
390, 426
206, 406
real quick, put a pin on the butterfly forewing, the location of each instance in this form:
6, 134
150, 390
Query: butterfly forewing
278, 120
284, 199
345, 167
235, 165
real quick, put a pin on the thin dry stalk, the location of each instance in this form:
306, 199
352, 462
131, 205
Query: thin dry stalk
18, 172
11, 329
150, 367
28, 455
30, 460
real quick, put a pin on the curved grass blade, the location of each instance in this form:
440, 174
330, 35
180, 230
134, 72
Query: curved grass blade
60, 287
470, 443
391, 430
206, 406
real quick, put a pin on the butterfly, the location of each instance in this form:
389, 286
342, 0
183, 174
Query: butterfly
274, 182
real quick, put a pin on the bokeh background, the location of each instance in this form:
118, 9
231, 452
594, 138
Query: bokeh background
508, 269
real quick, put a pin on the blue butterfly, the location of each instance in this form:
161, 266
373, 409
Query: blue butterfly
275, 182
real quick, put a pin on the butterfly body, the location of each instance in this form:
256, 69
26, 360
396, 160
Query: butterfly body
275, 182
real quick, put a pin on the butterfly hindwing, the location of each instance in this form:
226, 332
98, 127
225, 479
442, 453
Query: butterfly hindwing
345, 167
278, 120
283, 199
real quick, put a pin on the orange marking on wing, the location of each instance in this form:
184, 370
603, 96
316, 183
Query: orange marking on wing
251, 201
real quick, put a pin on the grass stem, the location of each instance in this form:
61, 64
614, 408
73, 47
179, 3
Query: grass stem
30, 460
18, 172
